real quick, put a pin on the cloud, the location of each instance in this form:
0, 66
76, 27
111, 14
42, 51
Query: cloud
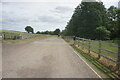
40, 0
35, 14
63, 9
119, 5
91, 0
49, 19
40, 14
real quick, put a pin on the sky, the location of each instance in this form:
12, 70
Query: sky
42, 15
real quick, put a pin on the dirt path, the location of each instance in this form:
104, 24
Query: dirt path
48, 58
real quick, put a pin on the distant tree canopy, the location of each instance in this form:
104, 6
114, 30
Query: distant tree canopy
90, 15
57, 31
112, 25
118, 32
29, 29
38, 32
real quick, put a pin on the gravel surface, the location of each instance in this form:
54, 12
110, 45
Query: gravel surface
48, 58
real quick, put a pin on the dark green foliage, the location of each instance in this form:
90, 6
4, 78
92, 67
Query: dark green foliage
56, 32
47, 32
29, 29
118, 32
102, 33
90, 15
87, 16
38, 32
112, 15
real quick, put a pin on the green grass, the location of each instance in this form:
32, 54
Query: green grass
97, 64
112, 41
12, 33
104, 46
106, 69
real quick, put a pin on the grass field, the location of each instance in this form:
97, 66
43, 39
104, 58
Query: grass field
10, 31
97, 64
104, 46
104, 65
28, 37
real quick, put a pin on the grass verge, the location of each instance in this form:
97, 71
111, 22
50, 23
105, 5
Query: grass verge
26, 40
102, 68
104, 46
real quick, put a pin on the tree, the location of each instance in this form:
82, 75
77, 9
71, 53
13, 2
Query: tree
118, 20
86, 18
57, 31
102, 33
112, 15
29, 29
47, 32
38, 32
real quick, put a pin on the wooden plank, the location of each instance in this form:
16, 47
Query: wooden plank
115, 61
98, 47
103, 49
115, 45
109, 58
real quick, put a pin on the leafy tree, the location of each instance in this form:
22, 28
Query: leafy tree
112, 15
102, 33
29, 29
118, 32
86, 18
57, 31
47, 32
38, 32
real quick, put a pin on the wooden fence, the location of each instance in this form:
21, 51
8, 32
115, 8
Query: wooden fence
109, 51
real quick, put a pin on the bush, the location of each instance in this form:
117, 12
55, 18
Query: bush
102, 33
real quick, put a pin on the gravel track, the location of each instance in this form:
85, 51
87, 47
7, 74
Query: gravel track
48, 58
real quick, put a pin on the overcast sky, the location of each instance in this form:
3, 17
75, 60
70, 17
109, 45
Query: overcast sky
40, 14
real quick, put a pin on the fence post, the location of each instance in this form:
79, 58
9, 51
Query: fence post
83, 43
118, 64
99, 49
78, 43
89, 45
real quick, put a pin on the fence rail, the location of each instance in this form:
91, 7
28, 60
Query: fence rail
98, 47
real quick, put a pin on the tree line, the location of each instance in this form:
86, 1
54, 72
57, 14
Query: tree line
93, 21
29, 29
55, 32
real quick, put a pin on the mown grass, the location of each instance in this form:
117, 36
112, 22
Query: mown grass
112, 41
9, 33
16, 41
104, 46
103, 65
97, 64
